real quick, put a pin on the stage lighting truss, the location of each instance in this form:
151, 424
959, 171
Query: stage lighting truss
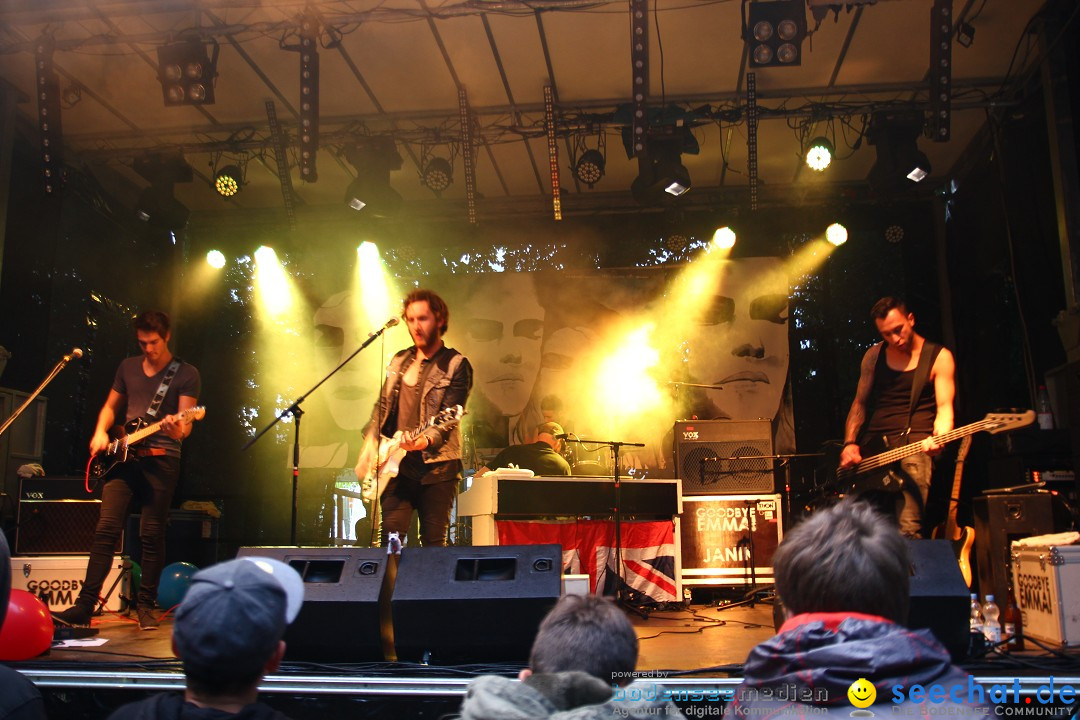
437, 171
588, 163
187, 73
776, 30
819, 154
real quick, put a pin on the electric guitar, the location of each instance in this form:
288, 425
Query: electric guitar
391, 452
116, 452
961, 537
873, 472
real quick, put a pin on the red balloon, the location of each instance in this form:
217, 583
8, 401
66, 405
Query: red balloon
28, 627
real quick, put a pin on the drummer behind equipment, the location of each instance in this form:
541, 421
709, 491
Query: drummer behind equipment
541, 456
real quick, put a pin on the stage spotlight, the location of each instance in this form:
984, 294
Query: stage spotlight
438, 175
590, 167
899, 159
660, 171
965, 34
371, 190
724, 238
836, 234
777, 31
156, 204
216, 259
820, 154
228, 181
187, 73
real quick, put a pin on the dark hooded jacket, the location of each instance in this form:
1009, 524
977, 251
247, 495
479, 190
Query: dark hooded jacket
563, 696
171, 706
809, 666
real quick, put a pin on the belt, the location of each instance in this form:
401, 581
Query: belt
148, 452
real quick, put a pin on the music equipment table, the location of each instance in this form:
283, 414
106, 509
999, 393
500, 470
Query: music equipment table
490, 497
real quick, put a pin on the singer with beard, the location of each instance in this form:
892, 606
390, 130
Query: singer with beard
420, 381
153, 386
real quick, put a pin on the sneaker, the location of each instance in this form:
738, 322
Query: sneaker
74, 616
147, 619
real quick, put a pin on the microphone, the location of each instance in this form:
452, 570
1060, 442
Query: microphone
75, 353
391, 322
562, 436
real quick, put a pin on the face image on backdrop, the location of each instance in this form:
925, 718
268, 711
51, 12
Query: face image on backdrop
500, 329
339, 330
740, 341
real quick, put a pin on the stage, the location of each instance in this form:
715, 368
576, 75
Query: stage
696, 652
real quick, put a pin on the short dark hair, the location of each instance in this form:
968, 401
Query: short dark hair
884, 305
587, 633
152, 321
437, 304
845, 558
219, 681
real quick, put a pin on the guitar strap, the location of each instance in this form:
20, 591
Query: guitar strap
159, 396
929, 353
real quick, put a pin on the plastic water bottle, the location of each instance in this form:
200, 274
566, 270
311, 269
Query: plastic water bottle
1044, 410
991, 625
976, 615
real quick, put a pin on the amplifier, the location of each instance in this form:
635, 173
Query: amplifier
56, 516
706, 453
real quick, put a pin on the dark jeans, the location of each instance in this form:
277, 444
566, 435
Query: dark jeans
151, 482
908, 504
432, 503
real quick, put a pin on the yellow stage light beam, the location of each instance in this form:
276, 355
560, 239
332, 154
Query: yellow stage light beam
272, 283
624, 383
836, 234
807, 259
724, 238
372, 289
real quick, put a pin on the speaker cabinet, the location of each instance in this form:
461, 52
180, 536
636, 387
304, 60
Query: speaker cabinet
707, 452
457, 604
940, 600
56, 517
340, 619
190, 536
999, 519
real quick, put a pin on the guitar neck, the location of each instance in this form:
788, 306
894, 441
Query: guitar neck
890, 456
145, 432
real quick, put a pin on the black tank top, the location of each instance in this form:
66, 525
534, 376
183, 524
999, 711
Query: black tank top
891, 398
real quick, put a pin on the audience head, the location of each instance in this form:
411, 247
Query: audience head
587, 633
846, 558
229, 628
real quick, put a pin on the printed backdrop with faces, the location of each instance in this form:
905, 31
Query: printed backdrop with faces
613, 355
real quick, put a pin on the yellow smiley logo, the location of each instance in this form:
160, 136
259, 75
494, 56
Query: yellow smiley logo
862, 693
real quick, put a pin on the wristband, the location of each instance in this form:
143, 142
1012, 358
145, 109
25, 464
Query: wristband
850, 443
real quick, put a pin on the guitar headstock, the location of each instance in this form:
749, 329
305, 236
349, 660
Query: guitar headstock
1003, 422
448, 417
194, 413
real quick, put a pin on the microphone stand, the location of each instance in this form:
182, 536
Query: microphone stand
616, 445
297, 413
48, 379
748, 541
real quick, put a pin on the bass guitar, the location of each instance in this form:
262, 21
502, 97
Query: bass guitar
961, 538
873, 472
124, 437
391, 452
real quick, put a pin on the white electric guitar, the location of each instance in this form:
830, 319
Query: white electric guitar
391, 452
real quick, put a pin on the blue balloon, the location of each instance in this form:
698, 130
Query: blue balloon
174, 583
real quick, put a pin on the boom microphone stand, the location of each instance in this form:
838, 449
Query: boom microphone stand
615, 445
296, 412
75, 353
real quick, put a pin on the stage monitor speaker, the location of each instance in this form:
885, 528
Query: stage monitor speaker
56, 517
1001, 518
940, 600
698, 441
460, 604
340, 619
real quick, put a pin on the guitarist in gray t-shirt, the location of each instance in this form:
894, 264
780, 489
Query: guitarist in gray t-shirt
155, 393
